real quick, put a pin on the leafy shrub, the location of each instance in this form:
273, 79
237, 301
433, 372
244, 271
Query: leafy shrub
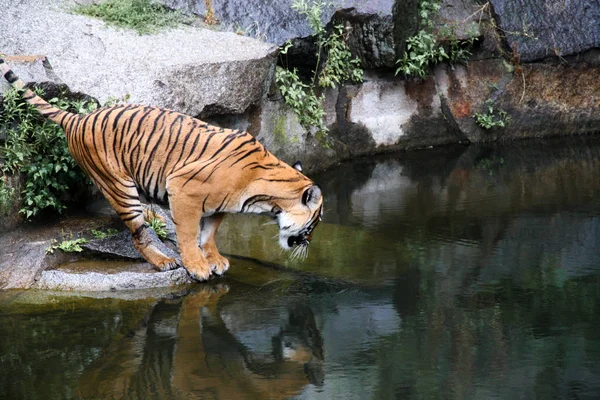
68, 246
338, 67
7, 197
38, 149
301, 98
491, 117
428, 47
159, 226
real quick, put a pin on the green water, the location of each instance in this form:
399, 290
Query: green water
467, 273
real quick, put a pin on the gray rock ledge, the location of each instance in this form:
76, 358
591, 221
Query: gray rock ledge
192, 70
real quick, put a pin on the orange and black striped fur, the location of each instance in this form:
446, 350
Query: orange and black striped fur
200, 171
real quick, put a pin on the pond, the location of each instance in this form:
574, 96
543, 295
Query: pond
463, 273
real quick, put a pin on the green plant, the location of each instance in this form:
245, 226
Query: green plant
143, 16
340, 66
429, 47
301, 98
423, 51
159, 226
491, 117
7, 197
68, 246
37, 149
98, 234
337, 67
112, 101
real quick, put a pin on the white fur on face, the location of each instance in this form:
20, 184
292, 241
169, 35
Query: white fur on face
285, 220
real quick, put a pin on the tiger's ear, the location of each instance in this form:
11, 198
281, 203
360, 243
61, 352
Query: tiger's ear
311, 196
297, 165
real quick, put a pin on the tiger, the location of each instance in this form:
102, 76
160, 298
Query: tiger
200, 171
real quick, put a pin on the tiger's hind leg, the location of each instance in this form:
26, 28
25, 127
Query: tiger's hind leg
124, 199
208, 229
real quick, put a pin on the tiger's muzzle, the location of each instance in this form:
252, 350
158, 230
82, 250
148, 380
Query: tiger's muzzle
304, 237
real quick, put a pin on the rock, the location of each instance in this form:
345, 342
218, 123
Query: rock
217, 72
121, 246
379, 28
276, 126
381, 114
385, 113
22, 263
26, 263
539, 99
30, 69
98, 276
281, 132
537, 29
461, 17
370, 36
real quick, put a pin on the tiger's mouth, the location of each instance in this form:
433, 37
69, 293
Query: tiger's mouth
301, 240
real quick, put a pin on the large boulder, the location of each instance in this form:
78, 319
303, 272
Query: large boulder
536, 29
379, 27
192, 70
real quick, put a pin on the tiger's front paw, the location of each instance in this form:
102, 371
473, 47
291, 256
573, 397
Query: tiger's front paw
218, 263
199, 269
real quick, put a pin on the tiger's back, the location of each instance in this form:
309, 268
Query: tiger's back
149, 145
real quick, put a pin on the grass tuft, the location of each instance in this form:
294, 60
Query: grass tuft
143, 16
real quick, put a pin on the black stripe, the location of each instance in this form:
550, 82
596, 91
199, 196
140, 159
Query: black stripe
210, 136
147, 112
223, 202
203, 203
252, 140
118, 116
280, 180
226, 143
10, 76
246, 155
184, 145
168, 149
255, 199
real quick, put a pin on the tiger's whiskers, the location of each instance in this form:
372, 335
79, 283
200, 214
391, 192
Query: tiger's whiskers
299, 252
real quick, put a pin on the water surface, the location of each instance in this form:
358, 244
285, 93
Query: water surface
463, 273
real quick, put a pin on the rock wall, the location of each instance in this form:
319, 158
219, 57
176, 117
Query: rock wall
541, 28
227, 79
380, 27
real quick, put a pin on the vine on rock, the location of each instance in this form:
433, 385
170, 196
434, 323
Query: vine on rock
430, 46
334, 66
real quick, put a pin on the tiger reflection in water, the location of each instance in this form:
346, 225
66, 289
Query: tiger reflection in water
184, 350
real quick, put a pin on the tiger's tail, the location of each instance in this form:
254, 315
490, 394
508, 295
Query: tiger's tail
54, 114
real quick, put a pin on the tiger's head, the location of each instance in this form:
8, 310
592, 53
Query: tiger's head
293, 200
298, 218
